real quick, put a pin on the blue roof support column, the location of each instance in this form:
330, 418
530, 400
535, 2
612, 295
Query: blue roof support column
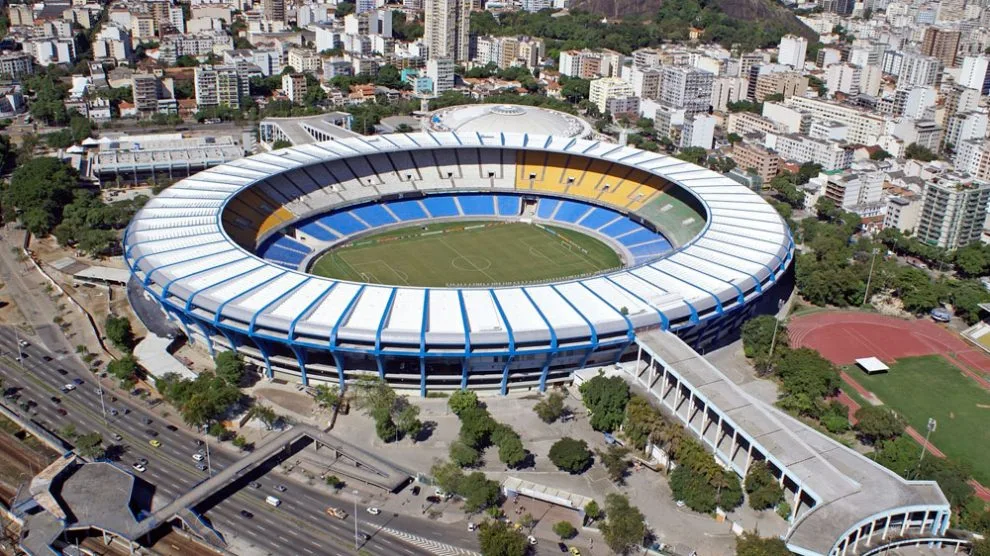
553, 340
422, 343
504, 388
232, 339
301, 360
591, 328
336, 328
379, 358
206, 334
339, 360
182, 321
264, 355
465, 364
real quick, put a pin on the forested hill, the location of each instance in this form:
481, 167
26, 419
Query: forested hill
635, 24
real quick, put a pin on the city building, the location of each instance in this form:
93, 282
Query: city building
975, 73
726, 90
973, 157
589, 64
294, 87
954, 208
446, 29
607, 88
903, 211
756, 158
865, 127
16, 64
916, 69
274, 10
698, 131
304, 60
792, 51
218, 86
645, 81
303, 130
152, 93
687, 88
964, 126
441, 74
140, 158
830, 155
942, 44
783, 83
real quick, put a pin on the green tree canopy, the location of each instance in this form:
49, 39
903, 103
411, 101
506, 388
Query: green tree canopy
570, 455
229, 366
41, 188
551, 407
877, 422
752, 545
119, 332
762, 487
564, 530
606, 399
917, 152
759, 332
624, 528
497, 538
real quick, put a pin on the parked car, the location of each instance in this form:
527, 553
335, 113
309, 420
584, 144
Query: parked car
68, 388
78, 381
246, 514
254, 484
139, 467
415, 491
374, 511
280, 488
197, 457
62, 372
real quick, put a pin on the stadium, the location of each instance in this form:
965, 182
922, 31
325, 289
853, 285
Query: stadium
411, 258
225, 254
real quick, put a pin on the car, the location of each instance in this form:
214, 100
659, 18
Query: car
254, 484
151, 432
197, 457
143, 461
374, 511
575, 551
68, 388
172, 428
55, 399
280, 488
246, 514
197, 442
62, 372
114, 412
415, 491
78, 381
46, 358
680, 503
439, 492
139, 467
155, 443
531, 540
433, 499
471, 526
146, 420
116, 437
201, 466
562, 547
24, 343
61, 411
365, 536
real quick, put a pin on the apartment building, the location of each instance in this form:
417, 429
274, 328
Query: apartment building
274, 10
864, 127
953, 210
726, 90
786, 83
294, 87
745, 123
975, 73
506, 52
792, 51
973, 157
919, 70
607, 88
218, 86
831, 155
757, 158
942, 44
903, 211
303, 60
441, 74
446, 29
645, 81
152, 93
687, 88
16, 64
964, 126
589, 64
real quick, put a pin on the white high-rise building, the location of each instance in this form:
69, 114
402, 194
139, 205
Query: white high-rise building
441, 73
792, 51
975, 73
843, 78
607, 88
294, 86
687, 88
953, 211
919, 70
964, 126
218, 86
446, 28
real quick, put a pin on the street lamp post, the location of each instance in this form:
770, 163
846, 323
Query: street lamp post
103, 405
206, 442
932, 425
357, 543
776, 325
873, 260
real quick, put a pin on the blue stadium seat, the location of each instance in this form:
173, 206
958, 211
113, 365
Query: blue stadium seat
317, 231
546, 207
618, 228
343, 222
640, 236
441, 206
477, 205
278, 254
571, 211
598, 218
508, 205
407, 210
374, 215
652, 249
290, 244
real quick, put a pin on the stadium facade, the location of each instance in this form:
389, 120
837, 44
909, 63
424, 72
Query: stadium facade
224, 253
195, 247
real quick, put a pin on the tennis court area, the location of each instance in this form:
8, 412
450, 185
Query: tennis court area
467, 253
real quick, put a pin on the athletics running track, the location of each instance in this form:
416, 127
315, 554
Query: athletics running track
844, 336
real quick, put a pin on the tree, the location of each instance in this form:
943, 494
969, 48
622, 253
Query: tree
733, 138
327, 396
972, 260
981, 547
751, 545
694, 155
462, 400
570, 455
90, 445
878, 423
592, 511
763, 489
564, 530
334, 482
550, 408
448, 476
124, 369
264, 414
624, 527
606, 399
385, 429
825, 209
511, 451
806, 379
229, 366
758, 333
407, 419
879, 154
614, 460
643, 422
478, 492
917, 152
497, 538
40, 188
464, 455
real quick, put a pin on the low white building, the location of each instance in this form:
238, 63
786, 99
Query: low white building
831, 155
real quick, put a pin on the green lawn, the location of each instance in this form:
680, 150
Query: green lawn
467, 253
929, 386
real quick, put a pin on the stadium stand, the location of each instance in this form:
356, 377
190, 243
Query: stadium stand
508, 205
439, 207
477, 205
407, 210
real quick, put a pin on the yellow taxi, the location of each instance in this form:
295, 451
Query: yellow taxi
155, 443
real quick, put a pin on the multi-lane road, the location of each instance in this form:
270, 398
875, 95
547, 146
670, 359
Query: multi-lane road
298, 526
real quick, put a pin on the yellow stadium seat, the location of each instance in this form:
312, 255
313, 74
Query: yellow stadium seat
587, 184
552, 175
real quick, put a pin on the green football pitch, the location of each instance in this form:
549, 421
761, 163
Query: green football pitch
930, 386
467, 253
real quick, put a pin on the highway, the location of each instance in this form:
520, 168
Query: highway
299, 525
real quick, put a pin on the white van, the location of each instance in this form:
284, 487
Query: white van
272, 501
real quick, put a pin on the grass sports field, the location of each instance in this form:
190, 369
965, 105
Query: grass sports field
930, 386
467, 253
